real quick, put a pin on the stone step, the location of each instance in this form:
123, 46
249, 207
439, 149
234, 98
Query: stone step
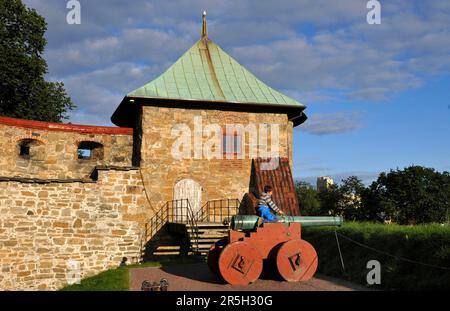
206, 239
202, 246
209, 224
210, 231
199, 253
205, 230
168, 248
166, 253
212, 236
210, 241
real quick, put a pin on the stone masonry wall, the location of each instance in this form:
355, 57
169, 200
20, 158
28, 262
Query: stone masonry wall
46, 226
54, 153
219, 178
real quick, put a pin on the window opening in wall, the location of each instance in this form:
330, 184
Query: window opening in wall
89, 150
25, 151
232, 144
84, 153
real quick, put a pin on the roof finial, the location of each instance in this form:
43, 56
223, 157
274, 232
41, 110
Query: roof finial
204, 27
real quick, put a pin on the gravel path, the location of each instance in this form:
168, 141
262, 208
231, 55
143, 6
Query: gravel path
197, 277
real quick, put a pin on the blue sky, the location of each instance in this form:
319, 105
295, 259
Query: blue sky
377, 95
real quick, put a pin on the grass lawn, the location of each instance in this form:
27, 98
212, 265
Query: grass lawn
408, 255
428, 244
118, 279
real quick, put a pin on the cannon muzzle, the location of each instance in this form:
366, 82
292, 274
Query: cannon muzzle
251, 222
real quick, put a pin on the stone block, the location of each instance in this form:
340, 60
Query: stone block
78, 223
59, 224
119, 232
10, 243
17, 210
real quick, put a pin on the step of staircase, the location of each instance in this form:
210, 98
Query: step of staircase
166, 254
208, 234
213, 236
167, 250
208, 224
201, 238
205, 240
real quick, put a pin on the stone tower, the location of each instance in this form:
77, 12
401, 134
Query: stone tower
205, 88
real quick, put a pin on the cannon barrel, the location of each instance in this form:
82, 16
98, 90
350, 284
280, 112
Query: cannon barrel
250, 222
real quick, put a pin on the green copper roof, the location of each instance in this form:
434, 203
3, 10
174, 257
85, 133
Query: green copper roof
206, 73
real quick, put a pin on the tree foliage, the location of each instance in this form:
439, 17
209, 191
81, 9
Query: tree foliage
414, 195
351, 193
308, 199
24, 93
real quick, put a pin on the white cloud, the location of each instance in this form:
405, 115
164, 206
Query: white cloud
314, 50
332, 123
98, 99
130, 45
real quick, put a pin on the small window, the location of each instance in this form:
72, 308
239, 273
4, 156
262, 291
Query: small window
24, 151
232, 144
89, 150
31, 149
84, 153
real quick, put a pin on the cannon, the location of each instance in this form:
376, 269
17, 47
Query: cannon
239, 258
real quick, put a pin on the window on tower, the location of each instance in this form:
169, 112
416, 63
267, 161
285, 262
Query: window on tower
232, 143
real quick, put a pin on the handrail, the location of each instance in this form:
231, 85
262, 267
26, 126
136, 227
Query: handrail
194, 226
176, 211
218, 210
180, 211
154, 224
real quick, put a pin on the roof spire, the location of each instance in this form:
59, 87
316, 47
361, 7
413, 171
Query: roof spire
204, 27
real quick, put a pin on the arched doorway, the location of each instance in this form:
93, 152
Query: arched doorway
191, 190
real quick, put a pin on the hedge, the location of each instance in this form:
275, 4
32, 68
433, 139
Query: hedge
428, 244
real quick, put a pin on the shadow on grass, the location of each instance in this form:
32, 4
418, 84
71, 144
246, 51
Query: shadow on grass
118, 279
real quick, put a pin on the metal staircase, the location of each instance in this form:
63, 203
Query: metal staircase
208, 234
166, 233
212, 222
176, 231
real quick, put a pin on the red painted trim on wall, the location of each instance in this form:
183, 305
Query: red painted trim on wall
60, 127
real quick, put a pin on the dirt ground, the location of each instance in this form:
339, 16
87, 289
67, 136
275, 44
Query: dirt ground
198, 277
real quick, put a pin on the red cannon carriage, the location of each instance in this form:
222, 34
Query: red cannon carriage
239, 258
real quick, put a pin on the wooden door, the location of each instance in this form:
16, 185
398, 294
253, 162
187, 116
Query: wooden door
191, 190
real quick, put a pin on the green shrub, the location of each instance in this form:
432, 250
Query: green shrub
428, 244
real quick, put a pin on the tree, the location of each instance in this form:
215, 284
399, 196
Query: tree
331, 201
351, 193
344, 200
374, 208
24, 93
411, 196
308, 199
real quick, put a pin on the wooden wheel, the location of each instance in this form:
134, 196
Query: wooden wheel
296, 261
214, 254
240, 264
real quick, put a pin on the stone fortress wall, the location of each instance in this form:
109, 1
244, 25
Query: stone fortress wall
70, 194
59, 212
32, 149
